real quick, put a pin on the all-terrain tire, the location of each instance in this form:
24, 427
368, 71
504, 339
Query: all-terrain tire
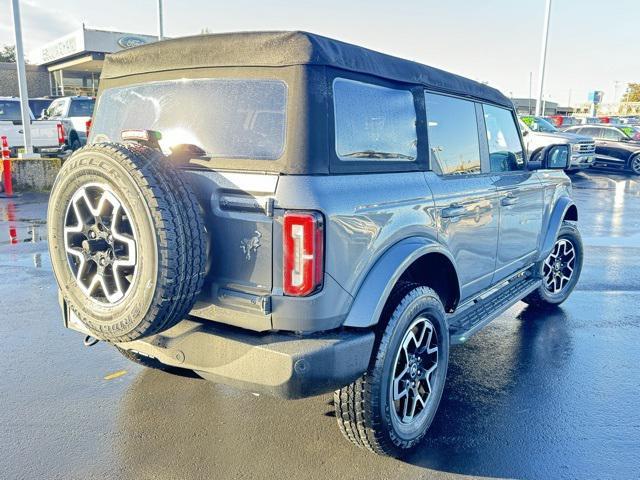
542, 297
170, 236
363, 408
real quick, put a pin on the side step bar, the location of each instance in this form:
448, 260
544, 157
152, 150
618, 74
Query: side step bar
476, 313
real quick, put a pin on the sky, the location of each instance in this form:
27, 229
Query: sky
593, 44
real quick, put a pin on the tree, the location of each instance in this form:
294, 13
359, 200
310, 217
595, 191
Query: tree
632, 94
8, 54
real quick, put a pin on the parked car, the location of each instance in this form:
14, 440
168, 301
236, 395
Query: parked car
617, 146
538, 133
75, 115
586, 121
561, 121
46, 136
296, 215
39, 105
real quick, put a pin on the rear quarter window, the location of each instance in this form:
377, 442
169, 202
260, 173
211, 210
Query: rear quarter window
227, 118
373, 122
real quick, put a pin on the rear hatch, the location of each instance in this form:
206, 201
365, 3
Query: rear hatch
230, 120
239, 219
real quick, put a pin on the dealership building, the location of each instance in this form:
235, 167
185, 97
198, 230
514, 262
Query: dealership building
70, 65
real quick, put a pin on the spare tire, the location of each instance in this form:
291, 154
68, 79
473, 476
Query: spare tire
127, 240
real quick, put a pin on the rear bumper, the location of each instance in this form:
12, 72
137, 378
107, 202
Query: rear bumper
279, 364
60, 151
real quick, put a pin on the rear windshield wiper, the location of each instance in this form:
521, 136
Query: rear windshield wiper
374, 154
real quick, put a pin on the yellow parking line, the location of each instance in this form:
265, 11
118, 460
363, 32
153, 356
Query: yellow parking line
117, 374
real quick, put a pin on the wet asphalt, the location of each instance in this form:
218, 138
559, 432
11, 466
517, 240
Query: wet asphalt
533, 396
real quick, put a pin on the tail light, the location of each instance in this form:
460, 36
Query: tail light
303, 253
87, 127
61, 139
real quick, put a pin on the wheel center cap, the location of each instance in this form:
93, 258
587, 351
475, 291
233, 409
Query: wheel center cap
413, 370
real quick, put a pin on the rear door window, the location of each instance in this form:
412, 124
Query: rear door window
452, 126
373, 122
506, 153
56, 109
227, 118
612, 134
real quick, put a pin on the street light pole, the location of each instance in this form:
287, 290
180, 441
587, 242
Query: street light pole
160, 21
543, 55
22, 79
530, 81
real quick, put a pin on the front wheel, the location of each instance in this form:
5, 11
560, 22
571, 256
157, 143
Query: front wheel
390, 408
561, 269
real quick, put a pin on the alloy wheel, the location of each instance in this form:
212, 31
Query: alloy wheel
558, 267
415, 363
635, 164
100, 242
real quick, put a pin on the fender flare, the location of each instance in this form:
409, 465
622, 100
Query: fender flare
382, 277
556, 217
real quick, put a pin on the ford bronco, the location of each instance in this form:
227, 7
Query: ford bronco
295, 215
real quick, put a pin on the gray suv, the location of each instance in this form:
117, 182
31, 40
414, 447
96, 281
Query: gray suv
294, 215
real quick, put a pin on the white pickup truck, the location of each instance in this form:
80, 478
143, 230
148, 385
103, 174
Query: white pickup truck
73, 113
47, 136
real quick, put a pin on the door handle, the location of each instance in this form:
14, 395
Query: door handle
508, 200
453, 211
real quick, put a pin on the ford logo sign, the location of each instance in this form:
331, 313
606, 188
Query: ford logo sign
130, 42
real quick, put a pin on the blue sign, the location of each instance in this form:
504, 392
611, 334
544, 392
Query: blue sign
596, 96
131, 41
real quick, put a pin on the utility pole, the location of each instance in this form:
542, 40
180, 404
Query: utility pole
22, 79
530, 80
543, 55
160, 21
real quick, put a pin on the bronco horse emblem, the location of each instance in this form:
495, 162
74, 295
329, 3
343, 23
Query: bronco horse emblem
252, 244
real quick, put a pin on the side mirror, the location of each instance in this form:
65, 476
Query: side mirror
556, 157
525, 133
43, 113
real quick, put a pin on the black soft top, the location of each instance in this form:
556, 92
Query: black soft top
278, 49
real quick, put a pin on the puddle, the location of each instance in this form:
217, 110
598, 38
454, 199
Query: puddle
26, 258
14, 233
620, 182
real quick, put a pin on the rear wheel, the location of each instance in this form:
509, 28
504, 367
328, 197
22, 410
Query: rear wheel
390, 408
75, 143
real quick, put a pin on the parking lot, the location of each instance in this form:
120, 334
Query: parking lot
534, 395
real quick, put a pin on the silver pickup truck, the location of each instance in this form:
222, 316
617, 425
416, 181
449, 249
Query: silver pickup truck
294, 215
46, 135
539, 133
